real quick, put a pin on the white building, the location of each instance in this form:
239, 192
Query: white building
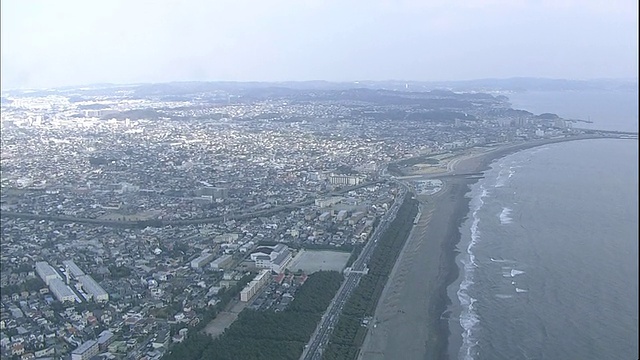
93, 289
72, 268
255, 285
276, 258
344, 180
226, 238
61, 291
324, 216
322, 203
222, 262
46, 272
202, 260
215, 192
280, 263
356, 217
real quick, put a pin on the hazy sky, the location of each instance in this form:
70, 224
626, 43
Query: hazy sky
55, 43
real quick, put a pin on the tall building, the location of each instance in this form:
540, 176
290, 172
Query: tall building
344, 180
255, 285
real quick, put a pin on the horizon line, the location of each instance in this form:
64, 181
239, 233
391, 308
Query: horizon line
132, 84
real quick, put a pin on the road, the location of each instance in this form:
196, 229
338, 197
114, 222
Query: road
162, 223
314, 348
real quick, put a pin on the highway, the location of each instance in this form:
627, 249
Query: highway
314, 348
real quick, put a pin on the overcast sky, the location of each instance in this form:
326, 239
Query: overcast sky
56, 43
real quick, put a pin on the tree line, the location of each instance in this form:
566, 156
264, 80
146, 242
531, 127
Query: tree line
349, 333
268, 335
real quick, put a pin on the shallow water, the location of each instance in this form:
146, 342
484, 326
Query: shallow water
548, 262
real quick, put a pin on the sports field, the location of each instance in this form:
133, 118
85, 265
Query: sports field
311, 261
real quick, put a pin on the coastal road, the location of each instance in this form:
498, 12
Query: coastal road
314, 348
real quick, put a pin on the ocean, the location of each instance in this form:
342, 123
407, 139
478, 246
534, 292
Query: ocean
608, 110
549, 256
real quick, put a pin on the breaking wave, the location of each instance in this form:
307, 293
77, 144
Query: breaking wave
515, 272
504, 216
468, 316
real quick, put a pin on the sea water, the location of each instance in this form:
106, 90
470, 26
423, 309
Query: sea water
607, 110
549, 256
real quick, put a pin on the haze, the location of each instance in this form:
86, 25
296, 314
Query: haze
58, 43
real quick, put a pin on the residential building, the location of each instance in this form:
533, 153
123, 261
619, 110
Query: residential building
105, 339
85, 351
344, 180
255, 285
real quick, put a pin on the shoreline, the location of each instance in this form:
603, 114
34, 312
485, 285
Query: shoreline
411, 318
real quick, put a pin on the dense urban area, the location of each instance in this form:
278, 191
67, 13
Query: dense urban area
218, 220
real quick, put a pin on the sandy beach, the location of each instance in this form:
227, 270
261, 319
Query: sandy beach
409, 322
404, 325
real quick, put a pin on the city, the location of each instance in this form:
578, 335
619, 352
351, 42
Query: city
136, 216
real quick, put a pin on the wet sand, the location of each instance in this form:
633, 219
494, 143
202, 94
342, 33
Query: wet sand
409, 322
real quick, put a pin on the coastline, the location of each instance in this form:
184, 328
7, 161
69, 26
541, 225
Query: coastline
410, 320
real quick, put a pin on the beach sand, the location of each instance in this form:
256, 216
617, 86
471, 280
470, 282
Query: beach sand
405, 325
409, 322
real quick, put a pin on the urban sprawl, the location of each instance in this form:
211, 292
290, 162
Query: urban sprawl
130, 212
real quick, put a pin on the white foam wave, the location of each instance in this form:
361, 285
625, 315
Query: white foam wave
500, 179
504, 216
468, 320
475, 236
502, 260
468, 316
521, 290
505, 174
515, 272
